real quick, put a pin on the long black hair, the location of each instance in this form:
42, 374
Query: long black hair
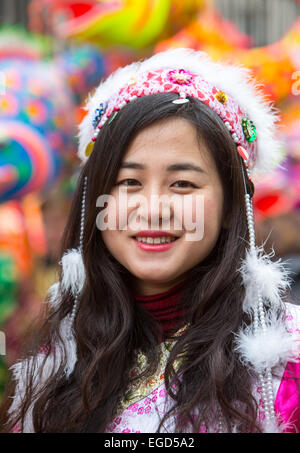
110, 326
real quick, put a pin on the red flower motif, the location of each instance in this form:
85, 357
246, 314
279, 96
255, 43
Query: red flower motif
180, 76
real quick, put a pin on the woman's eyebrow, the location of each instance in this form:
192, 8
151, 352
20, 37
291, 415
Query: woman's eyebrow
173, 167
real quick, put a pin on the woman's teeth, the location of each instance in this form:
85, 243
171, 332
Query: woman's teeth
160, 240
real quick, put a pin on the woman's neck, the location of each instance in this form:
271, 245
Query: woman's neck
165, 306
148, 288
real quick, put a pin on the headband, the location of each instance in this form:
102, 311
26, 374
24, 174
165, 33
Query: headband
229, 90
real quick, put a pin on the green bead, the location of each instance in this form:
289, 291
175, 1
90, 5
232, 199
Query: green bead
249, 129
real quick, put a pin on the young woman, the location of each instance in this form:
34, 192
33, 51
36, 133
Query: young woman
166, 316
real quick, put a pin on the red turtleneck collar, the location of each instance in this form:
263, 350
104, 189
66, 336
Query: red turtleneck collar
164, 306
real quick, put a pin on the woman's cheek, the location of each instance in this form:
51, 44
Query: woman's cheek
212, 217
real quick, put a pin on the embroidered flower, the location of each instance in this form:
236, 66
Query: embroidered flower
180, 76
162, 393
134, 407
147, 409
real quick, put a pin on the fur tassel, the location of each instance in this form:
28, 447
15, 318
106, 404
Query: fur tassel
69, 344
73, 271
272, 426
54, 295
41, 368
266, 349
258, 271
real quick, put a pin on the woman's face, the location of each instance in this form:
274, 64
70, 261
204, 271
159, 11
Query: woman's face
164, 162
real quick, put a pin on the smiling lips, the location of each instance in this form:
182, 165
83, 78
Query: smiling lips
157, 241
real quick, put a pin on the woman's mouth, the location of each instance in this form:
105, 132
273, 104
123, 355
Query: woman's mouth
155, 244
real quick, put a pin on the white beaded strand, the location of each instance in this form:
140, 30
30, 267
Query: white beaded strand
73, 313
259, 315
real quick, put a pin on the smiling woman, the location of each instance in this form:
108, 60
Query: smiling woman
176, 157
151, 328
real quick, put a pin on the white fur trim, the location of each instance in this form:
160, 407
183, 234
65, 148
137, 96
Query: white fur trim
273, 426
70, 345
265, 349
259, 272
234, 79
54, 295
73, 271
41, 368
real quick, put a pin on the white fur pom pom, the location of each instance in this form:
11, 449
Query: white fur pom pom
54, 295
272, 426
265, 349
73, 271
259, 272
69, 344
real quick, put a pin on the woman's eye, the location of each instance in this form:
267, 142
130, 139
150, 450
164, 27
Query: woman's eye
184, 184
132, 182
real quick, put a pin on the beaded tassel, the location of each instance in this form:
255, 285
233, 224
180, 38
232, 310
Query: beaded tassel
259, 315
73, 313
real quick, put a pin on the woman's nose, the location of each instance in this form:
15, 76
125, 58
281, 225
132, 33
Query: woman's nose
155, 209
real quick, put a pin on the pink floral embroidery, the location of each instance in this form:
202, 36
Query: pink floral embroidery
44, 349
289, 317
147, 409
180, 76
162, 393
262, 415
203, 428
134, 407
16, 429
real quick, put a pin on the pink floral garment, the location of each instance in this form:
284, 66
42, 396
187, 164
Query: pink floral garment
144, 416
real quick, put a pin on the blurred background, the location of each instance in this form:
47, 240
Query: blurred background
53, 52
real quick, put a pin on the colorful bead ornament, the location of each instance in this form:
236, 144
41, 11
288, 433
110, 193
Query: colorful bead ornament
221, 97
98, 114
249, 129
242, 152
180, 76
89, 149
